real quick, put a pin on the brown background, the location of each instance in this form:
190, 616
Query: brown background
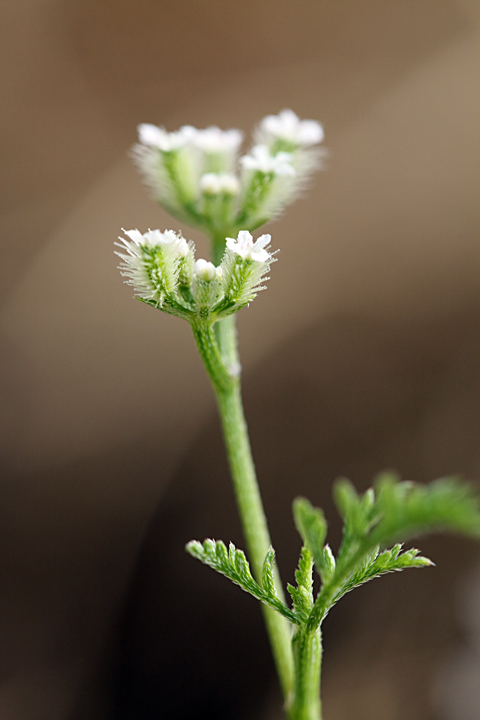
362, 354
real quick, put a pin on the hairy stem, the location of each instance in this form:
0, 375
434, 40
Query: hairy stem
307, 650
246, 488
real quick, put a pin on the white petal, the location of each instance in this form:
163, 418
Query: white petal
151, 134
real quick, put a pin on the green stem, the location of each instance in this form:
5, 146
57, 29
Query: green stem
254, 522
307, 651
252, 514
225, 330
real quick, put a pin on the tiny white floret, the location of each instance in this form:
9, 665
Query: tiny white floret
210, 184
262, 160
288, 126
214, 140
249, 250
205, 270
154, 136
219, 183
229, 184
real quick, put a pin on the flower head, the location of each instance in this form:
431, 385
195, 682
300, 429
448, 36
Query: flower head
244, 267
219, 184
197, 176
153, 136
161, 267
287, 127
214, 140
260, 159
152, 262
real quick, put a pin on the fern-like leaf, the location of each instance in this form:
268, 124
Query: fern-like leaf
268, 581
234, 565
302, 594
310, 523
379, 563
405, 509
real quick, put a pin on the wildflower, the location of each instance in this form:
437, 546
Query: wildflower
249, 250
260, 159
219, 184
153, 136
286, 131
244, 267
268, 184
218, 147
196, 175
152, 262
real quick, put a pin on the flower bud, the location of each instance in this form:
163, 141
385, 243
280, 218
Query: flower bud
205, 270
206, 288
210, 184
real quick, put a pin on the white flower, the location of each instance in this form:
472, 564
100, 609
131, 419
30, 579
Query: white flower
151, 262
158, 137
155, 238
260, 159
249, 250
193, 173
229, 184
244, 267
214, 140
205, 270
218, 149
219, 183
287, 126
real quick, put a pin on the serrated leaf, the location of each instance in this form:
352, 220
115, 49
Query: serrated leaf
358, 511
302, 595
407, 510
268, 580
377, 564
391, 512
234, 565
329, 564
346, 498
310, 523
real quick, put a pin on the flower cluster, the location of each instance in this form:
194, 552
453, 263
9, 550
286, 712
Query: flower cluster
198, 176
161, 267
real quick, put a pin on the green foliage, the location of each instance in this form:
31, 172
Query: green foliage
390, 513
406, 509
310, 523
376, 523
233, 564
302, 595
376, 564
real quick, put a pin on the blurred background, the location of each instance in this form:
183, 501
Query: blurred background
363, 354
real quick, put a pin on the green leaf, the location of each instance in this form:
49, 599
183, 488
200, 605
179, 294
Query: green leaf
268, 580
310, 523
234, 565
329, 564
358, 511
390, 513
302, 595
407, 510
376, 564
